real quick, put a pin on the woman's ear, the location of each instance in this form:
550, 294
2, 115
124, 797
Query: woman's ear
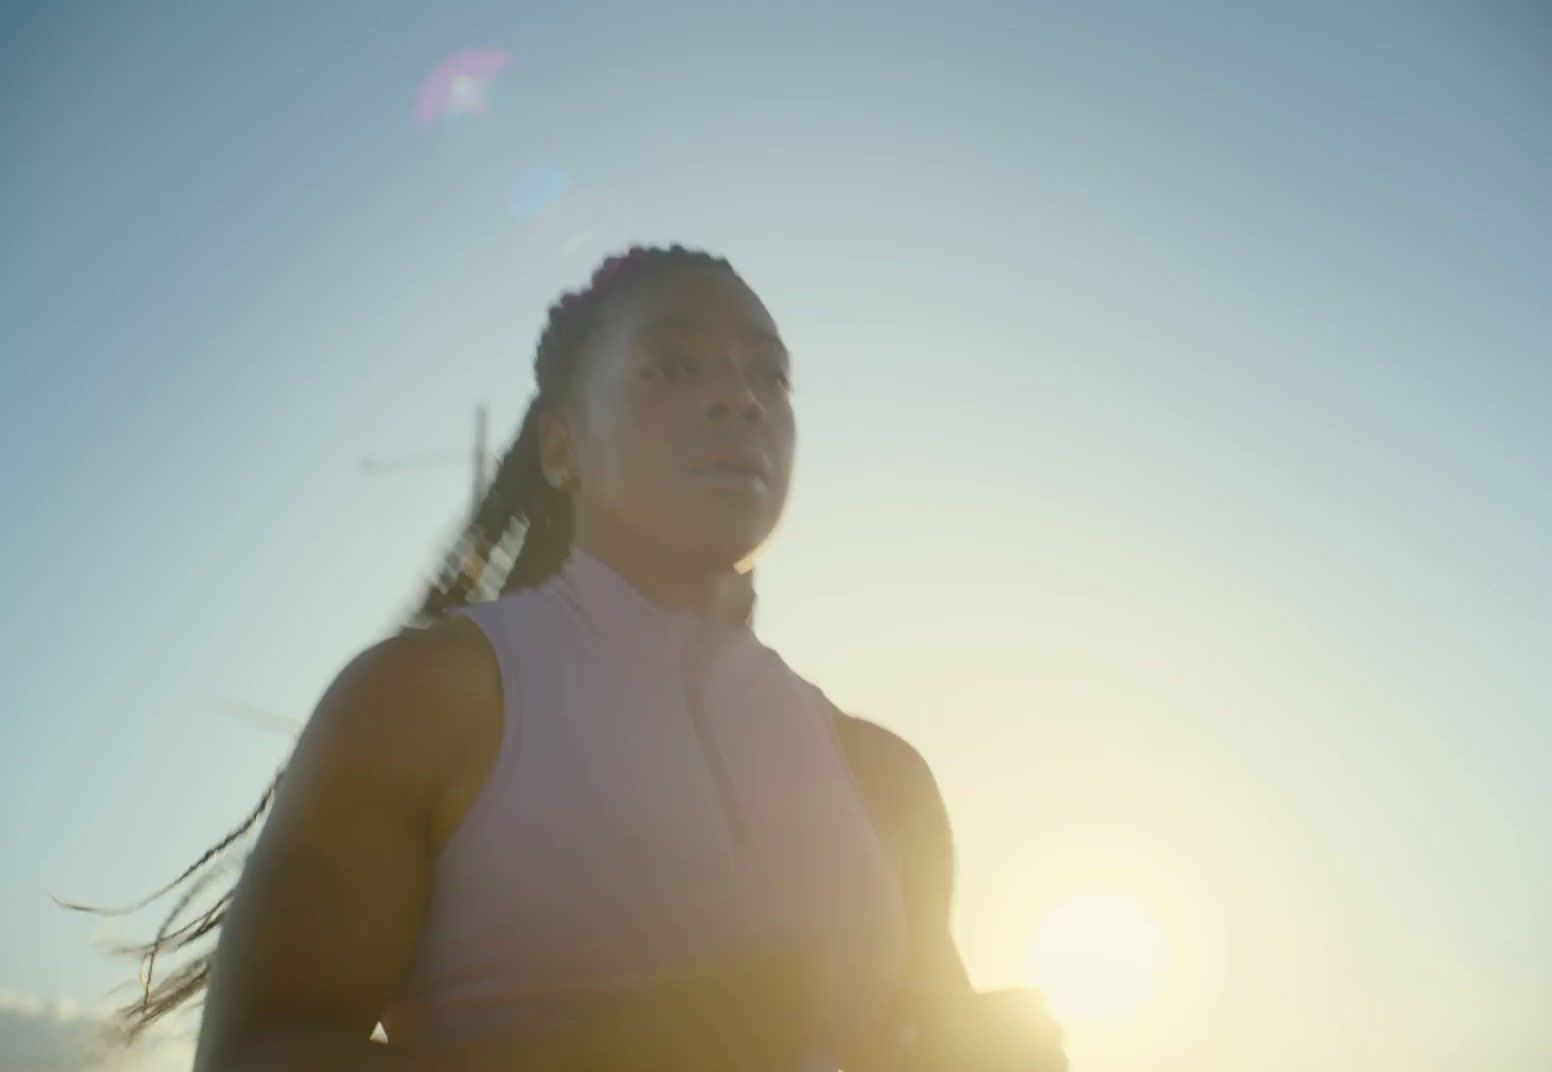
557, 458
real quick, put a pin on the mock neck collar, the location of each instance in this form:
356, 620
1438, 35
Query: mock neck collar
614, 606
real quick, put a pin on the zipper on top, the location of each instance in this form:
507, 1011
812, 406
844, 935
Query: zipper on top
710, 750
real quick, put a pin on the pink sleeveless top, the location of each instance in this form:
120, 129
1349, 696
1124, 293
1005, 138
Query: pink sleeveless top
666, 788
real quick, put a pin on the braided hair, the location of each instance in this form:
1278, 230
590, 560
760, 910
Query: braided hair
521, 510
522, 526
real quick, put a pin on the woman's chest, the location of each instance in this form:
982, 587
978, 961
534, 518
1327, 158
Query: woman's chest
660, 813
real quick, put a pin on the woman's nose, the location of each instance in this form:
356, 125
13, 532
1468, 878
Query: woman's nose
730, 393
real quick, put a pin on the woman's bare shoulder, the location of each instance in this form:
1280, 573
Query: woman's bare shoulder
452, 663
886, 763
420, 701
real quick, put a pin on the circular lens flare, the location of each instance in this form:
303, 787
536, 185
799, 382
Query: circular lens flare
534, 189
460, 84
567, 240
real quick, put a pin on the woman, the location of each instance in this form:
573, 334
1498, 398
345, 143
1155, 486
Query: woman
594, 823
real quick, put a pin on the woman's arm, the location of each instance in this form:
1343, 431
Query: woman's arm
938, 1019
907, 809
326, 913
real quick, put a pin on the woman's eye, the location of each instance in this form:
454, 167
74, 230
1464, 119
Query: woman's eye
673, 367
777, 376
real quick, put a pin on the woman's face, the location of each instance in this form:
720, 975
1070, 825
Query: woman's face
682, 434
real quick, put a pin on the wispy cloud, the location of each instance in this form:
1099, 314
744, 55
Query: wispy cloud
57, 1035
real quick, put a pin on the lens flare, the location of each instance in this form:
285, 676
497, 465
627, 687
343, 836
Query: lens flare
460, 85
534, 189
568, 238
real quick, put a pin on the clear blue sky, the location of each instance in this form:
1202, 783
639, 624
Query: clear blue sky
1173, 385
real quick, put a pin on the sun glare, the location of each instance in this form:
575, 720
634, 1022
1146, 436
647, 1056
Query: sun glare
1096, 957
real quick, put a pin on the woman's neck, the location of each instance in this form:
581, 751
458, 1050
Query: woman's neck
720, 591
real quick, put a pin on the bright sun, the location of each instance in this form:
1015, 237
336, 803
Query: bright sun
1096, 957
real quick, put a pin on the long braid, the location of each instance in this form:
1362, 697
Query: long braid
522, 526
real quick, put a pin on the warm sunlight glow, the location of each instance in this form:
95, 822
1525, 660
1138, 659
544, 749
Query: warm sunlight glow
1096, 957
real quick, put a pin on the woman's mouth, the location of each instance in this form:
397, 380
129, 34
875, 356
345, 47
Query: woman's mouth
727, 476
741, 469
